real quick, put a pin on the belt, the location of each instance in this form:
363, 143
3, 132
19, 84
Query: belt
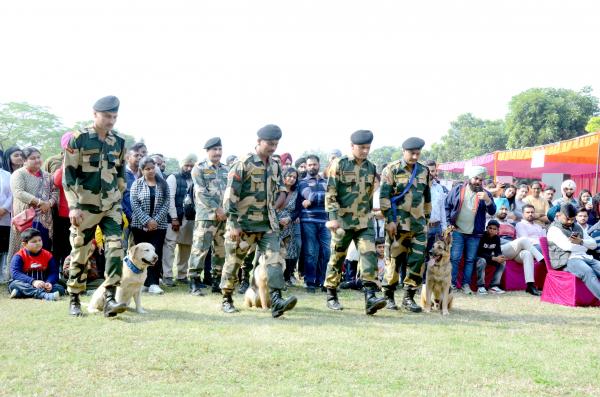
434, 224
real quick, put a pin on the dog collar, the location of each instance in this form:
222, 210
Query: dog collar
130, 265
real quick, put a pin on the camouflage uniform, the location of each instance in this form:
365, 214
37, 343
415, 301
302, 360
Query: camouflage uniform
252, 188
93, 180
209, 186
349, 200
412, 213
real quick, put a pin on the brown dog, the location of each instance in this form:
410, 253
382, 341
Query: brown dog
439, 277
257, 295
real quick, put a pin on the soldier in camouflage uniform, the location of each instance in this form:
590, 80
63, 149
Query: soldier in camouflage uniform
349, 202
253, 186
405, 200
210, 180
93, 181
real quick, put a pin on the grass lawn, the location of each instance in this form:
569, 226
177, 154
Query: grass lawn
511, 345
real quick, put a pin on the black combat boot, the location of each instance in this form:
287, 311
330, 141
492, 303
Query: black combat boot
195, 286
408, 302
244, 285
389, 297
372, 302
215, 286
227, 305
332, 300
280, 305
75, 306
111, 307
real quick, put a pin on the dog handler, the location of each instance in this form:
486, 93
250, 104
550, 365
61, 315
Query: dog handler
405, 200
349, 204
94, 180
253, 185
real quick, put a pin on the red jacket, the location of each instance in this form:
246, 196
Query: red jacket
63, 206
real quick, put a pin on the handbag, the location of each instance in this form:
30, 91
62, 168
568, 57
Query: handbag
24, 220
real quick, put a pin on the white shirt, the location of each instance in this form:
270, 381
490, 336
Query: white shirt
578, 251
5, 197
438, 206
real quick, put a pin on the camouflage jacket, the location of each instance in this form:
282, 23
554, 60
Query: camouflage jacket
414, 208
252, 188
94, 171
350, 187
209, 186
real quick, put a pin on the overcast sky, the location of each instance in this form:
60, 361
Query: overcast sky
189, 70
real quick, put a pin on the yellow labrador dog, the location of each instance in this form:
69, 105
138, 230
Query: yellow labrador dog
135, 265
439, 277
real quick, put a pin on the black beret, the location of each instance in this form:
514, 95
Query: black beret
212, 142
413, 143
107, 104
299, 162
269, 132
362, 137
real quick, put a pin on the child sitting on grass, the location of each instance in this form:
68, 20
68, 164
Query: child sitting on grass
34, 270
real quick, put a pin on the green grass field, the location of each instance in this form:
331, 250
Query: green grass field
511, 345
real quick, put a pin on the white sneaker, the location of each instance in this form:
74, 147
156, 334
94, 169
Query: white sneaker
155, 289
497, 290
482, 291
466, 289
13, 294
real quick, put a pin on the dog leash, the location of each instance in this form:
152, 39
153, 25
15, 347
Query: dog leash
397, 198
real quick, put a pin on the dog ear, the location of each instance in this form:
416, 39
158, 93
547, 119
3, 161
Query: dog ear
131, 252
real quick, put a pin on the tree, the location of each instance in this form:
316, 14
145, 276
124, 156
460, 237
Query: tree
593, 125
23, 124
384, 155
545, 115
468, 137
172, 165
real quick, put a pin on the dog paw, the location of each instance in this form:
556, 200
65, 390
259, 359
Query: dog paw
427, 310
445, 313
141, 311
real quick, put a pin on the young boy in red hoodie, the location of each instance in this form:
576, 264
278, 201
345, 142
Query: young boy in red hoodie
34, 270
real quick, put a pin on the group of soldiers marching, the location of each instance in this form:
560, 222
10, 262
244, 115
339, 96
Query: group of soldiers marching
236, 214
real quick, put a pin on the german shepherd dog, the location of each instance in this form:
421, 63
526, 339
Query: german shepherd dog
439, 276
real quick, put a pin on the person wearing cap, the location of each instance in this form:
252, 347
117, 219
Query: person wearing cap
489, 253
180, 230
349, 205
210, 179
94, 180
466, 207
254, 185
232, 158
405, 200
300, 166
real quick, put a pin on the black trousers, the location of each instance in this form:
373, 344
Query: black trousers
157, 239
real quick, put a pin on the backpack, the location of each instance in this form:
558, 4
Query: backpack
189, 207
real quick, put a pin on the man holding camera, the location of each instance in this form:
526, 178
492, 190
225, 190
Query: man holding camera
568, 244
466, 208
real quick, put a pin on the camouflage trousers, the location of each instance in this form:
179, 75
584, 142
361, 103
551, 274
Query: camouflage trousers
207, 234
408, 249
364, 239
110, 224
265, 244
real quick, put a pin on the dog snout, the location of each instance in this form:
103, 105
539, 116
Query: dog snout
154, 259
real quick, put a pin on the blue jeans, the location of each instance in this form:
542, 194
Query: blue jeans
25, 290
588, 270
316, 241
481, 265
467, 244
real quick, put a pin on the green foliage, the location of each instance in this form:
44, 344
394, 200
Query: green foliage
468, 137
172, 165
385, 155
545, 115
23, 124
593, 125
